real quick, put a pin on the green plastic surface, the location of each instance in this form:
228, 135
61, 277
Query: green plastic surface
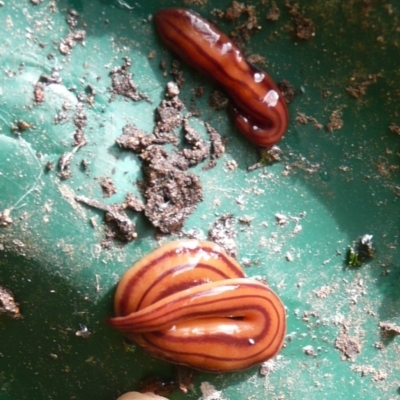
335, 185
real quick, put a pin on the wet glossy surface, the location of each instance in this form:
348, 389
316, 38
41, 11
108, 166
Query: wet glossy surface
188, 302
255, 96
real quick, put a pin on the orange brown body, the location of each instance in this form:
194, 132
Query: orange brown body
189, 303
259, 110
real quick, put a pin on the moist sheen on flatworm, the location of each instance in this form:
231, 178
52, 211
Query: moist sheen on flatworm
190, 303
259, 109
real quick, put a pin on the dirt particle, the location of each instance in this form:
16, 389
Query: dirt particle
72, 18
281, 219
172, 89
171, 194
238, 11
304, 119
349, 346
359, 83
133, 203
38, 92
325, 291
218, 100
289, 256
177, 73
5, 217
217, 147
273, 13
71, 40
108, 187
63, 165
394, 128
223, 232
8, 304
152, 54
122, 83
156, 385
170, 191
335, 121
119, 226
232, 165
309, 351
169, 115
389, 329
195, 2
288, 90
199, 149
303, 28
365, 370
83, 332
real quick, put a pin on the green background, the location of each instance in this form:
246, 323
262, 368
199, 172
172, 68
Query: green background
336, 185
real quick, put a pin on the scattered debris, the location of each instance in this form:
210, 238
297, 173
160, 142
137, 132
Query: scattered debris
389, 329
335, 121
133, 203
267, 367
218, 100
281, 219
158, 386
232, 165
240, 11
184, 378
209, 392
304, 119
326, 290
364, 370
43, 81
224, 233
72, 18
21, 126
83, 332
349, 346
257, 59
245, 29
5, 217
8, 304
273, 13
217, 147
74, 36
171, 192
63, 164
288, 90
199, 149
168, 116
394, 128
108, 187
177, 73
119, 225
309, 351
80, 121
304, 28
122, 83
359, 83
289, 256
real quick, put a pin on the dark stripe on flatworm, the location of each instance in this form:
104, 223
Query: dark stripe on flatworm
137, 277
